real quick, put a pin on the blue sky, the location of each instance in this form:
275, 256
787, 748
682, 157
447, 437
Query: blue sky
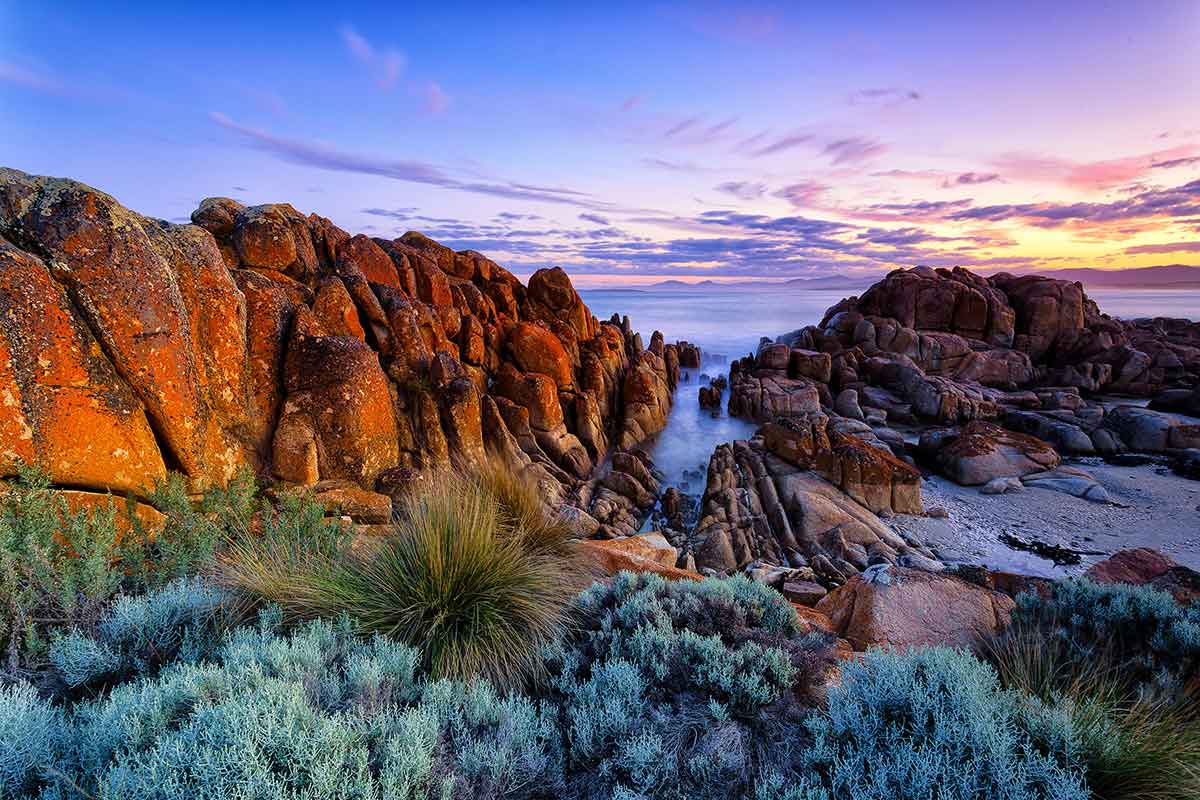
641, 140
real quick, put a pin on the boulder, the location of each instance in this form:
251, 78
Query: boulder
897, 607
982, 451
612, 556
1144, 566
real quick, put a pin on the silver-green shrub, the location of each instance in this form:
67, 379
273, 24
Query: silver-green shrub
31, 740
931, 723
684, 689
138, 633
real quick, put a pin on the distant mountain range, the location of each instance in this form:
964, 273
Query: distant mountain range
824, 282
1170, 276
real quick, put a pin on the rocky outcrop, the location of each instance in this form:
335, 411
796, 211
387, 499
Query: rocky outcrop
262, 338
763, 508
1009, 366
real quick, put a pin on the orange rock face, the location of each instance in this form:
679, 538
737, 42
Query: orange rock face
62, 405
536, 349
265, 339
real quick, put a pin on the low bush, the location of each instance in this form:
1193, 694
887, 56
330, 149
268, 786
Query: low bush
1135, 739
58, 568
475, 575
319, 713
687, 689
139, 633
32, 735
931, 723
1143, 632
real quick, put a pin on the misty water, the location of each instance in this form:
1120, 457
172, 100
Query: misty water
728, 323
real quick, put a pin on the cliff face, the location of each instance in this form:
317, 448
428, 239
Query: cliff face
262, 338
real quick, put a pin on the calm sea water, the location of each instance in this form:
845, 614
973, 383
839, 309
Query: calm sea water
727, 324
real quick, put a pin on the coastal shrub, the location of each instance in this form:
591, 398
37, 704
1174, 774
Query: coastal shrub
317, 713
931, 723
685, 689
1135, 740
31, 739
57, 568
1142, 631
474, 575
139, 633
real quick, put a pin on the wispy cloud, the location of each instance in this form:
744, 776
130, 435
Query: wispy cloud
596, 218
436, 99
779, 145
323, 156
33, 79
972, 179
1169, 247
631, 103
853, 150
680, 127
1179, 201
804, 194
386, 66
742, 190
1177, 162
1089, 175
892, 95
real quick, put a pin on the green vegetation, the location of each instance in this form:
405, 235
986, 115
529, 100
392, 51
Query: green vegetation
475, 575
59, 569
1120, 664
250, 651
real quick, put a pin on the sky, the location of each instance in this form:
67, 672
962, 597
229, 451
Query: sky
631, 142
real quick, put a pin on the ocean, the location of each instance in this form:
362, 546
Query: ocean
728, 323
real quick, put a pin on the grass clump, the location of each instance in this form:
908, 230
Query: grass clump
475, 575
1119, 664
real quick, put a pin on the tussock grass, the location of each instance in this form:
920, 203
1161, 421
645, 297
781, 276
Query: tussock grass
1135, 739
476, 576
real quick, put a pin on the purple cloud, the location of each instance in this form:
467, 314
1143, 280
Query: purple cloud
1180, 201
779, 145
803, 194
1176, 162
326, 157
853, 150
889, 96
742, 190
680, 127
596, 218
973, 178
1171, 247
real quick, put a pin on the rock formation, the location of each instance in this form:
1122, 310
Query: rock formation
261, 338
998, 376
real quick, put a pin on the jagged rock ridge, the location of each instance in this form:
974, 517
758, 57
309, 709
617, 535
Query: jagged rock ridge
262, 338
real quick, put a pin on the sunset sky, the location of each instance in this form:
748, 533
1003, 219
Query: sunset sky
640, 139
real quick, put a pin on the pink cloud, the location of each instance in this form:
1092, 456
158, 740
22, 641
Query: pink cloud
436, 99
386, 65
1088, 175
804, 194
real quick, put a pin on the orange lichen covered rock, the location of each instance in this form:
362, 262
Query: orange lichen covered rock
62, 405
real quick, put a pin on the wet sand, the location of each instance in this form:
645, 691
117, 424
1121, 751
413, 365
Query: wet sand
1162, 510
